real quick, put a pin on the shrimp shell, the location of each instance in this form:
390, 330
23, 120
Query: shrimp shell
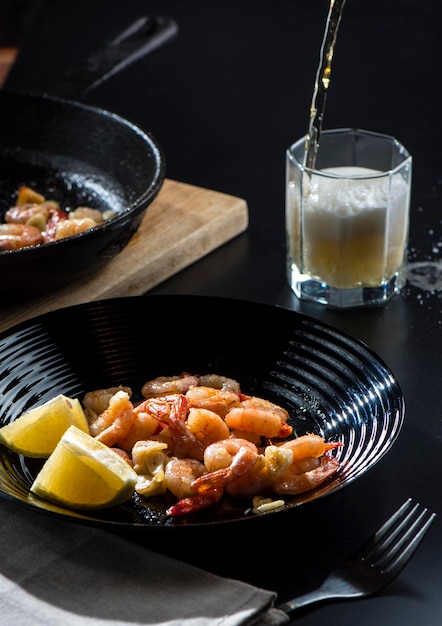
164, 385
259, 416
220, 382
144, 426
196, 502
309, 445
17, 236
68, 227
97, 401
217, 400
207, 426
180, 474
111, 425
22, 214
292, 483
269, 466
226, 461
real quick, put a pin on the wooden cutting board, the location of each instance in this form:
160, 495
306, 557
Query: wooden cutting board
183, 224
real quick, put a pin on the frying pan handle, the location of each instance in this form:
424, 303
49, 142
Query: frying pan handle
141, 38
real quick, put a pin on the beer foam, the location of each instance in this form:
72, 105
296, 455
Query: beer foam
345, 197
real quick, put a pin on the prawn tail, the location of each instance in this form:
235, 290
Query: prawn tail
285, 430
332, 446
211, 481
300, 483
195, 503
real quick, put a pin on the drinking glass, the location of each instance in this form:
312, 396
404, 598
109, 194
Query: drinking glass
347, 219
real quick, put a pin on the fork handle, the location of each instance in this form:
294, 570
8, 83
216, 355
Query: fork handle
313, 597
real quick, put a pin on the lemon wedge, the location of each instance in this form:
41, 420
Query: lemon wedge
38, 431
83, 473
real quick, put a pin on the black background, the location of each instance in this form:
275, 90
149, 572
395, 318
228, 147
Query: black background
225, 99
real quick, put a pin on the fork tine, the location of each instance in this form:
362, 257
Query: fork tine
385, 528
399, 561
388, 552
388, 532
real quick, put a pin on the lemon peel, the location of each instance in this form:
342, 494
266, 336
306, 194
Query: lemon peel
83, 473
37, 432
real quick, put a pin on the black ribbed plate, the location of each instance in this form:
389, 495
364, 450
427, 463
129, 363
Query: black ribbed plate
330, 383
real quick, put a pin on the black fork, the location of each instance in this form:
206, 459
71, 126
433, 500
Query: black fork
377, 563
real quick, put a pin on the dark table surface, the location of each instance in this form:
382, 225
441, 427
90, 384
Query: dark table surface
225, 98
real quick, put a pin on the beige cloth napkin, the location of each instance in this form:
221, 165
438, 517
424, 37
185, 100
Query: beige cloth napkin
54, 572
